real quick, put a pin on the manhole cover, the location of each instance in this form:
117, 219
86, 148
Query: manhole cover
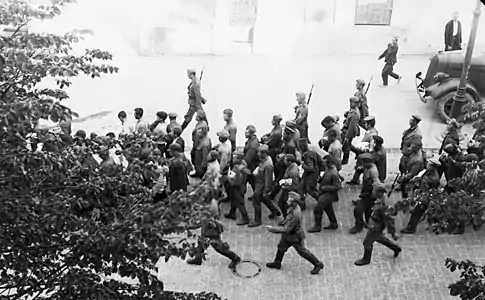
247, 269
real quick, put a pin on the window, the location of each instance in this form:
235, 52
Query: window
373, 12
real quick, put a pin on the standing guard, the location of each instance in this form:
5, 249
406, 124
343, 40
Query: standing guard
230, 126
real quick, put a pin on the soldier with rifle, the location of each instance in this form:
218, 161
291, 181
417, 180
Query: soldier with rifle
195, 97
362, 95
301, 111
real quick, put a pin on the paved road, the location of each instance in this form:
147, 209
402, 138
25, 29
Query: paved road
418, 274
256, 88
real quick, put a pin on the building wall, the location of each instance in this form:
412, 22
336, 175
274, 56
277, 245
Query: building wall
282, 27
418, 23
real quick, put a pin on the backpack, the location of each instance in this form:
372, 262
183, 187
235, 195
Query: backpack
320, 155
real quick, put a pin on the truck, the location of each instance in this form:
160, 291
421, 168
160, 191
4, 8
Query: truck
442, 80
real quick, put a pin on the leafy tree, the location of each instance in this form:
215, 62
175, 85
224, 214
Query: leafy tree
471, 285
69, 230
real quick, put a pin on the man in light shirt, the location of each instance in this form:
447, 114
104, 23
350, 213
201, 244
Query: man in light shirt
141, 127
224, 149
126, 126
453, 34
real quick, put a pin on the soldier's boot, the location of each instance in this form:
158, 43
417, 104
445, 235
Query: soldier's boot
355, 179
413, 223
365, 260
231, 214
244, 217
356, 229
317, 268
397, 251
318, 224
333, 222
195, 261
276, 264
234, 263
274, 214
460, 229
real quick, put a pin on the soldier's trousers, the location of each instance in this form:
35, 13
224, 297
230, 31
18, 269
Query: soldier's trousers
363, 209
190, 115
346, 150
309, 183
236, 195
303, 129
257, 201
217, 244
416, 215
379, 237
324, 204
286, 244
283, 201
387, 71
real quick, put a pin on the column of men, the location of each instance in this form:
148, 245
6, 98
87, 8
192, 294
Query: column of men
284, 163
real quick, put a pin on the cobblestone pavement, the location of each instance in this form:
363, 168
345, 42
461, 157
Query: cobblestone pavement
418, 274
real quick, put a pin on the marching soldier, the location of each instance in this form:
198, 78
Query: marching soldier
211, 233
263, 184
430, 180
330, 184
379, 219
274, 139
230, 127
289, 147
301, 118
251, 153
363, 106
311, 167
363, 207
412, 167
409, 136
292, 235
289, 183
195, 97
237, 188
351, 128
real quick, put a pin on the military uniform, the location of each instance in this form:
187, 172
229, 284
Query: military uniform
292, 174
363, 105
292, 235
330, 184
301, 118
311, 171
251, 154
262, 188
173, 122
363, 207
237, 190
274, 139
429, 181
211, 236
195, 99
379, 219
288, 147
350, 130
414, 165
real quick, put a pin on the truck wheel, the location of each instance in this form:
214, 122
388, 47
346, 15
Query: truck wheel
444, 103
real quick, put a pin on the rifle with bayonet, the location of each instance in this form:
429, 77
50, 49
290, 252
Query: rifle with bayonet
368, 86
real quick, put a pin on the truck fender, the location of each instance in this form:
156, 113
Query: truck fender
439, 89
